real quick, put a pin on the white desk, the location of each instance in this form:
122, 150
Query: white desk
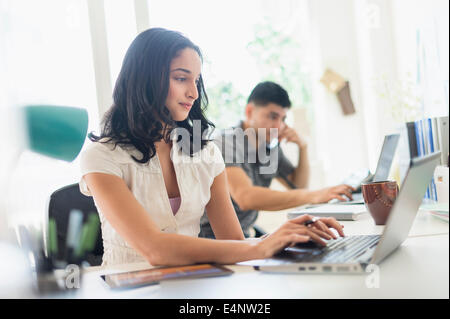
418, 269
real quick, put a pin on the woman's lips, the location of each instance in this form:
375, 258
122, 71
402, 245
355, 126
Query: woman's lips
186, 106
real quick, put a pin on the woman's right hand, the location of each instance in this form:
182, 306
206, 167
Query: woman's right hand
295, 231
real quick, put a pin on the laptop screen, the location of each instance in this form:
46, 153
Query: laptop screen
404, 210
386, 157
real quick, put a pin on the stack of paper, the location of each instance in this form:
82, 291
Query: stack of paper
438, 210
338, 211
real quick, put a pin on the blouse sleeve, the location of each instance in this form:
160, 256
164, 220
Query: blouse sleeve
97, 158
218, 164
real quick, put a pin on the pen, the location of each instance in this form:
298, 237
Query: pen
310, 222
52, 247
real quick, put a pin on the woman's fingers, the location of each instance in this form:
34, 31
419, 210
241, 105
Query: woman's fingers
295, 239
332, 222
312, 233
319, 224
315, 234
301, 219
295, 231
322, 234
322, 224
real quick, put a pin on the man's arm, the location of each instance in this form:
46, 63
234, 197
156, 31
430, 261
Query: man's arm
248, 196
300, 176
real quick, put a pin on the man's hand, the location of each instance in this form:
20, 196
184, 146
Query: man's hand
290, 135
326, 194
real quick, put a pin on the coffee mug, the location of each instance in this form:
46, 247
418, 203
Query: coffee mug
379, 198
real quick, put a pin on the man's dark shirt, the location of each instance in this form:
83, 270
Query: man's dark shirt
260, 166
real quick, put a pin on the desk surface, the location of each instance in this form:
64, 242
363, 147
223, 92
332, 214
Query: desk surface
418, 269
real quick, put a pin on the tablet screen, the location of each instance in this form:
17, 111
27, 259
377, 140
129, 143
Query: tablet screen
155, 275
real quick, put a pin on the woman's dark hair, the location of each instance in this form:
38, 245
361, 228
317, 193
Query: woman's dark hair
138, 116
269, 92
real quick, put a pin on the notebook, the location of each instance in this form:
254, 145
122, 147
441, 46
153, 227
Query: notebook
338, 211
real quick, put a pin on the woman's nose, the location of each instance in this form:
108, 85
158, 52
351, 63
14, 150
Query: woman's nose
193, 91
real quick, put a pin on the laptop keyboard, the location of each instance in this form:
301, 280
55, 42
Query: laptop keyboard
341, 250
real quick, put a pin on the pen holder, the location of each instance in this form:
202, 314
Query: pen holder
62, 265
55, 275
77, 240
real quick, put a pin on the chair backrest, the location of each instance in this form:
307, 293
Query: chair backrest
61, 202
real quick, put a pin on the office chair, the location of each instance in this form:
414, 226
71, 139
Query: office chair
69, 197
61, 202
258, 231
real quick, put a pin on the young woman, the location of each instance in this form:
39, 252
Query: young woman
149, 192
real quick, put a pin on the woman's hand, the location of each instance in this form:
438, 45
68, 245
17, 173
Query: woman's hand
295, 231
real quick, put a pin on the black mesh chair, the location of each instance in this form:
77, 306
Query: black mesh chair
61, 202
259, 232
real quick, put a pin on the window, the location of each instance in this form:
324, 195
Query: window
45, 57
422, 35
243, 43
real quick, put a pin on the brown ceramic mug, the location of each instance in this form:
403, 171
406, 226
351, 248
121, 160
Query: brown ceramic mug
379, 198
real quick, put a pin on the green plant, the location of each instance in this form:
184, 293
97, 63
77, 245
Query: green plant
279, 57
403, 100
226, 104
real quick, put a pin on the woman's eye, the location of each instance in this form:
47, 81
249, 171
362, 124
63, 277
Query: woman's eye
180, 79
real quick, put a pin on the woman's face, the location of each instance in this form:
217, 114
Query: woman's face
185, 70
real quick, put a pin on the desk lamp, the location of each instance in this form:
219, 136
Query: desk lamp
55, 131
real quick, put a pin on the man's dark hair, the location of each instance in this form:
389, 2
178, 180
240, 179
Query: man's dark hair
138, 116
269, 92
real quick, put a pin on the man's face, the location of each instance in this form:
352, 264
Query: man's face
269, 116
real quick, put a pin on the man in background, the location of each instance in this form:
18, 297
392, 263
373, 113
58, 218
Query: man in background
253, 158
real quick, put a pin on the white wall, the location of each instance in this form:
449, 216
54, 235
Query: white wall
358, 40
340, 140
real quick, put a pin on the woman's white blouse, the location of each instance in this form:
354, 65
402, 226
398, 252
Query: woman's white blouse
195, 176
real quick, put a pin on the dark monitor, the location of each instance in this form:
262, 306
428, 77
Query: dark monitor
386, 157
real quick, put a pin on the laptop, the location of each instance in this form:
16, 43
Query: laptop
352, 254
381, 173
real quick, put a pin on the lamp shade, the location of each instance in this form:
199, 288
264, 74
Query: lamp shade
55, 131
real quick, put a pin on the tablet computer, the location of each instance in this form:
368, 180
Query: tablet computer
155, 275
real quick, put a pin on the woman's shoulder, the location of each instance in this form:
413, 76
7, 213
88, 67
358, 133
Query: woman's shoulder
211, 152
212, 158
105, 148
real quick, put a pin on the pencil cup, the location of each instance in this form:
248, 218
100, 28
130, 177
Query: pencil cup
379, 197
